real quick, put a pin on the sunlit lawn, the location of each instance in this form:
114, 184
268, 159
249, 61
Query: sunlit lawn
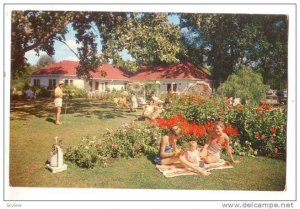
32, 133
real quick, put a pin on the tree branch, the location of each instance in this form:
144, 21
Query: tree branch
68, 47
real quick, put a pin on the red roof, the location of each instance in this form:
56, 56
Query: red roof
60, 68
175, 71
111, 72
68, 68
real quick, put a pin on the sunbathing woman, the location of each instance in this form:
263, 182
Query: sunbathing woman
170, 155
151, 111
216, 141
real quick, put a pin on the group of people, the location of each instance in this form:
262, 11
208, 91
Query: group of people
122, 102
151, 110
194, 159
169, 154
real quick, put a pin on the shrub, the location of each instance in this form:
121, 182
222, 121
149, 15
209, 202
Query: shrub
261, 129
129, 141
41, 91
244, 84
72, 91
86, 154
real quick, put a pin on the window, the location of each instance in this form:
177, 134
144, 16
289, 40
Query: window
174, 87
68, 82
97, 86
36, 82
52, 83
91, 85
169, 87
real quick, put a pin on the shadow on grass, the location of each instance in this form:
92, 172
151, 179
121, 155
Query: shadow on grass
51, 120
44, 108
150, 156
23, 108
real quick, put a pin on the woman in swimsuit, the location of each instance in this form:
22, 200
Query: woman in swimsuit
170, 155
216, 141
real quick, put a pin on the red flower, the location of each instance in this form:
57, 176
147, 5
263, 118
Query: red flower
257, 134
266, 107
169, 122
257, 109
192, 129
273, 131
230, 130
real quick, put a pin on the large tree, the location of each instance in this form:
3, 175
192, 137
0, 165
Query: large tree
229, 41
35, 30
147, 37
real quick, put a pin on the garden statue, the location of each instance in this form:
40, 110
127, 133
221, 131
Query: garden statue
56, 162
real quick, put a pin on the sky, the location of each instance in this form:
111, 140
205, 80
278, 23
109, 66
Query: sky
62, 52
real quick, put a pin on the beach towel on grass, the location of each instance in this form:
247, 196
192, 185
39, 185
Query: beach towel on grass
172, 171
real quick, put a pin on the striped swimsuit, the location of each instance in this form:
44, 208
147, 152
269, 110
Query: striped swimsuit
214, 149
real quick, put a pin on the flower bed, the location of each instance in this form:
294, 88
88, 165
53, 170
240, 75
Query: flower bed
128, 141
252, 130
261, 129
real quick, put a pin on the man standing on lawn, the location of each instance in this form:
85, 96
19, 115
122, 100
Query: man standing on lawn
58, 94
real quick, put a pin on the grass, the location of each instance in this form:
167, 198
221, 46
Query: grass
32, 132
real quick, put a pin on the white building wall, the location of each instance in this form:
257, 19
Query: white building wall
103, 84
78, 83
44, 80
181, 84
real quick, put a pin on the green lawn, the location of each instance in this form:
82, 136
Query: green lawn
32, 133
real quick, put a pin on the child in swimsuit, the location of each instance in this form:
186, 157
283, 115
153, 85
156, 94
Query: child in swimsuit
170, 155
193, 154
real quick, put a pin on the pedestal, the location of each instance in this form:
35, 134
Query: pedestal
57, 169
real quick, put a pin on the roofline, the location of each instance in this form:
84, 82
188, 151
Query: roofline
128, 79
59, 75
47, 75
170, 78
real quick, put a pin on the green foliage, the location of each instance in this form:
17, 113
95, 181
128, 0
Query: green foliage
22, 80
261, 129
259, 40
151, 89
35, 30
129, 141
45, 60
111, 96
72, 91
148, 37
244, 84
41, 91
86, 154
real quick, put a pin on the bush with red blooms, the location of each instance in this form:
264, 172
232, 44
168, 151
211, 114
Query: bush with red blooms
261, 129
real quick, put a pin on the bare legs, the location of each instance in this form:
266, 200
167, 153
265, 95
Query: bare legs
209, 158
192, 166
58, 111
183, 162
